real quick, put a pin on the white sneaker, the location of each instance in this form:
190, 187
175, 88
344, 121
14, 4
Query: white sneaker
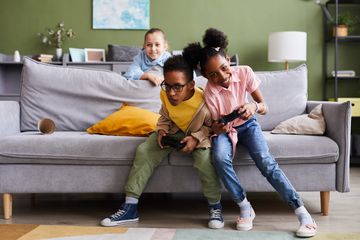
246, 224
307, 230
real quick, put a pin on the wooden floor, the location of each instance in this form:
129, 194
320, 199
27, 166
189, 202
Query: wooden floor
189, 211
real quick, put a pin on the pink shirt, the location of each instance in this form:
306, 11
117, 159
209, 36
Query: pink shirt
222, 101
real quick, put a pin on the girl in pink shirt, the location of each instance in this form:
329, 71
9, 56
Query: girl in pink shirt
226, 92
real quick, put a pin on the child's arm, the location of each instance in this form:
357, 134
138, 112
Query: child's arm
258, 106
163, 124
134, 72
153, 78
216, 127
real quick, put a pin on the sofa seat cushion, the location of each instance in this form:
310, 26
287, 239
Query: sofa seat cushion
287, 149
68, 148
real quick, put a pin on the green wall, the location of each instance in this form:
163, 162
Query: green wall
246, 22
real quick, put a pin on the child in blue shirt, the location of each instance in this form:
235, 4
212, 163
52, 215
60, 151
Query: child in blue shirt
147, 65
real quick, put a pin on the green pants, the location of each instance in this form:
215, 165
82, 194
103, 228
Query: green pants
149, 155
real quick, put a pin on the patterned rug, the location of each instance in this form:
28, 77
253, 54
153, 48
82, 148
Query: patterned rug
56, 232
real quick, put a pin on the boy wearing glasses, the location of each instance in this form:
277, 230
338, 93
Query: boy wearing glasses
185, 117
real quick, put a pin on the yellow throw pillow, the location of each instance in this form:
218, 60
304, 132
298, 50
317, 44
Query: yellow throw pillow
127, 121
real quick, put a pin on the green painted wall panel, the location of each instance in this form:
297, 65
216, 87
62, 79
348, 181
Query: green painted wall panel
246, 22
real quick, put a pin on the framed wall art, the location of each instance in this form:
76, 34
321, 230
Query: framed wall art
120, 14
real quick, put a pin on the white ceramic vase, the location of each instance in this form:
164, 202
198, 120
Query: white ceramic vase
58, 54
17, 57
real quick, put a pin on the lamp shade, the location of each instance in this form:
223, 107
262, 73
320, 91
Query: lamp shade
287, 46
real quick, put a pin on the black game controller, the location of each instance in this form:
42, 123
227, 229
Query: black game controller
230, 117
172, 142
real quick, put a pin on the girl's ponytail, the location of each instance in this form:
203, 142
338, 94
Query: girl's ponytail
192, 54
215, 38
215, 43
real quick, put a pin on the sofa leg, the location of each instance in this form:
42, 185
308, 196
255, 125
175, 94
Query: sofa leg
325, 199
7, 201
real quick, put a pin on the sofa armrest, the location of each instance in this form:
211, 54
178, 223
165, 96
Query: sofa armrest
9, 117
338, 127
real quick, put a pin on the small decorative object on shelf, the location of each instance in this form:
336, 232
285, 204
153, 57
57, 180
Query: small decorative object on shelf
344, 73
56, 37
17, 57
346, 24
43, 57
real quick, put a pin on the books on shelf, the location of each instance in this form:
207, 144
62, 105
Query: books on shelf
43, 57
344, 73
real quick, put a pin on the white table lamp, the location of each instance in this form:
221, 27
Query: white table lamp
287, 47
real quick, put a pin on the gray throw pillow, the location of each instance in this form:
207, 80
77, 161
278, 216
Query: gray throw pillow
285, 93
122, 53
76, 98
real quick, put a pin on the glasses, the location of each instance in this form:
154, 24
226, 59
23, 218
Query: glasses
176, 87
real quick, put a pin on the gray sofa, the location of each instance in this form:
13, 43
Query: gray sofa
72, 161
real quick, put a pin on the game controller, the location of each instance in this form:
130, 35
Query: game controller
172, 142
230, 117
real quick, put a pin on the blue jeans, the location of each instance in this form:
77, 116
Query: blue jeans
250, 135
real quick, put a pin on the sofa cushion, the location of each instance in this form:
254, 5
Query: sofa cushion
285, 93
76, 98
122, 53
286, 149
309, 124
127, 121
69, 148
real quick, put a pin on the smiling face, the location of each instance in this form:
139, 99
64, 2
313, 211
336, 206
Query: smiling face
178, 87
155, 45
217, 70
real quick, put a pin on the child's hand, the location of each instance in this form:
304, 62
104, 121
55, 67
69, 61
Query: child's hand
153, 78
219, 128
191, 143
161, 134
248, 110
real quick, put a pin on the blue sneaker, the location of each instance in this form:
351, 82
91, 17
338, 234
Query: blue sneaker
216, 219
127, 213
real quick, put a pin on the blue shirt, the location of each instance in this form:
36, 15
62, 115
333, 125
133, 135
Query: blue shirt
142, 63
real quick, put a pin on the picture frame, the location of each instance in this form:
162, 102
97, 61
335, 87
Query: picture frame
94, 55
77, 54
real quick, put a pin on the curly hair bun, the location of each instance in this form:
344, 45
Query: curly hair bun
215, 38
191, 54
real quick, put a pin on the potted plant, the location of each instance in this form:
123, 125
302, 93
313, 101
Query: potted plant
346, 24
56, 37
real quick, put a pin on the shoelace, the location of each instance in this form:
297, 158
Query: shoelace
118, 213
215, 213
